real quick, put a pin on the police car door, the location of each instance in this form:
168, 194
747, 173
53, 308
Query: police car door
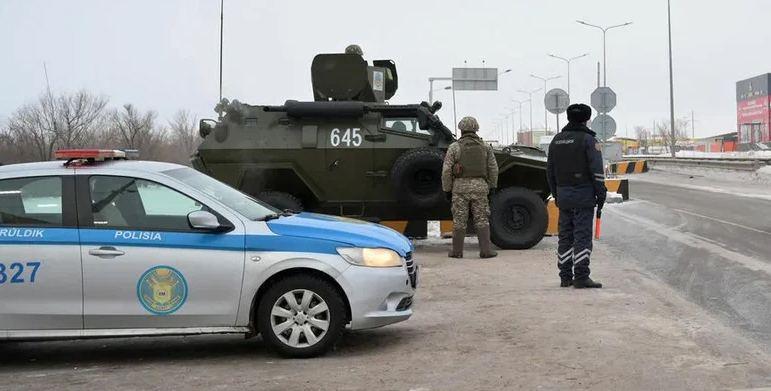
144, 267
40, 270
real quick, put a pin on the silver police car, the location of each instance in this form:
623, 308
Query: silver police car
100, 246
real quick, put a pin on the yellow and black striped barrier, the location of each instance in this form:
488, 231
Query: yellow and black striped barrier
418, 228
630, 167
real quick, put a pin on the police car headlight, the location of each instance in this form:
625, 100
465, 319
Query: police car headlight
371, 257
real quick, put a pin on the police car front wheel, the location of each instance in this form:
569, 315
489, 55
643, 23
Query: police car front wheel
301, 316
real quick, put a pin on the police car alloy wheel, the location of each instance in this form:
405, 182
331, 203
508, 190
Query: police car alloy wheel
301, 316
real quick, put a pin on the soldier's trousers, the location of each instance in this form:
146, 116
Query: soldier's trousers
476, 203
575, 242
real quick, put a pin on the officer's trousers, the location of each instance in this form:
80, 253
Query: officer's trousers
575, 242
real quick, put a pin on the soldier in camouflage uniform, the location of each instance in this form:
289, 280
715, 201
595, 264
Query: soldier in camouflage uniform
469, 175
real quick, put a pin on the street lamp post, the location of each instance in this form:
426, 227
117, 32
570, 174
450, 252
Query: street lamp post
545, 112
568, 61
519, 103
671, 80
604, 52
530, 99
431, 90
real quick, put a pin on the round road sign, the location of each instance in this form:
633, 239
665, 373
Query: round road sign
556, 101
605, 126
603, 99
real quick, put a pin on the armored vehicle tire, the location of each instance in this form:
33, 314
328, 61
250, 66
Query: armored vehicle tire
301, 316
518, 218
417, 177
281, 200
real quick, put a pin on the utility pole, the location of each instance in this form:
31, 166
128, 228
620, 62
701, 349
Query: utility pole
671, 80
693, 125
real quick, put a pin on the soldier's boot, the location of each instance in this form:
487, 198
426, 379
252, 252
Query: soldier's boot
566, 283
586, 283
458, 236
485, 246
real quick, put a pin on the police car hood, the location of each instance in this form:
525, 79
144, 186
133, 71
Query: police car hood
355, 233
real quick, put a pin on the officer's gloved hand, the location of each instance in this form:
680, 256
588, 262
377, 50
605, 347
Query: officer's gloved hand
448, 195
600, 203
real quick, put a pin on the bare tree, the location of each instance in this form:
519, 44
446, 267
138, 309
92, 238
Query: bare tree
183, 136
131, 129
38, 128
643, 135
664, 132
81, 114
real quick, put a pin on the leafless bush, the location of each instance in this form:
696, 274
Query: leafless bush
83, 120
36, 129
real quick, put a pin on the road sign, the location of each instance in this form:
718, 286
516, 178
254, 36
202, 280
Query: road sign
603, 99
475, 79
605, 126
556, 101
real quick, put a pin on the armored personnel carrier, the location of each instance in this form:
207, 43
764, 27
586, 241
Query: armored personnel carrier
350, 153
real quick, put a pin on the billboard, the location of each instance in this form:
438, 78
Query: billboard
475, 79
752, 110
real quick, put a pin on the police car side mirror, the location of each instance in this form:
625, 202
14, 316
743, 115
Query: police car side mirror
205, 221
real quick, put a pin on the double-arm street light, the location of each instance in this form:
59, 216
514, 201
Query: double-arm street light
568, 61
530, 99
604, 52
519, 103
545, 112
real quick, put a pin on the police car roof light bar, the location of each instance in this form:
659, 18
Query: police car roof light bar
90, 155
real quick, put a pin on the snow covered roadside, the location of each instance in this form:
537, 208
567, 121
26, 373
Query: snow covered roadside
765, 154
708, 180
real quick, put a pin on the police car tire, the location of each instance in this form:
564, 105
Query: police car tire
427, 162
281, 200
330, 295
502, 225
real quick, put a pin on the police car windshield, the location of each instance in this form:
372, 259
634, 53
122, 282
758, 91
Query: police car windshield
230, 197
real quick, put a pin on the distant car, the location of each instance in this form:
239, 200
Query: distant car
100, 246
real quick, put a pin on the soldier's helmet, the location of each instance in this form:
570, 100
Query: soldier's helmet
354, 49
468, 124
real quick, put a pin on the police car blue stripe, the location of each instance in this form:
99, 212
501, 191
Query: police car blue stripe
24, 235
200, 241
181, 240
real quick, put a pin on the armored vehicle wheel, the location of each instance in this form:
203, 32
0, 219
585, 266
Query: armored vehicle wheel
281, 200
417, 177
301, 316
518, 218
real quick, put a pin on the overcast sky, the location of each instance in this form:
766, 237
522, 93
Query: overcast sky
162, 54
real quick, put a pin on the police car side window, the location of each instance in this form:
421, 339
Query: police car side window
122, 202
35, 201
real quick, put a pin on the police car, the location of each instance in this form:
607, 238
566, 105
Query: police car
102, 246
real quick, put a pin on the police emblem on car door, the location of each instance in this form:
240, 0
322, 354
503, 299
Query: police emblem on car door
145, 266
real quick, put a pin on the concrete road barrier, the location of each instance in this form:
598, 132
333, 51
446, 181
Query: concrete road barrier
629, 167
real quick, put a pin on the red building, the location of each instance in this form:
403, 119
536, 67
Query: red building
752, 111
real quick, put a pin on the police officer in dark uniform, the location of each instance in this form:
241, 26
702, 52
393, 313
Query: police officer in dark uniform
577, 182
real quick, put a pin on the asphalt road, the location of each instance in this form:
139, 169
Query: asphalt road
712, 246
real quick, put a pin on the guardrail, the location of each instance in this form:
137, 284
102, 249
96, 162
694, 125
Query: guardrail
732, 163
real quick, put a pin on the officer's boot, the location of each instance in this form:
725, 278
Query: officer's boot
457, 243
586, 283
485, 246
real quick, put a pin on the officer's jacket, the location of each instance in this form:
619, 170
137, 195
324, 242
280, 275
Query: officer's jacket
575, 169
469, 185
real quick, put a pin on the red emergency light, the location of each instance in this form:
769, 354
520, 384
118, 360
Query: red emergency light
71, 155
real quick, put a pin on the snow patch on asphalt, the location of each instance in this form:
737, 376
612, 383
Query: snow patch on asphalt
696, 241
